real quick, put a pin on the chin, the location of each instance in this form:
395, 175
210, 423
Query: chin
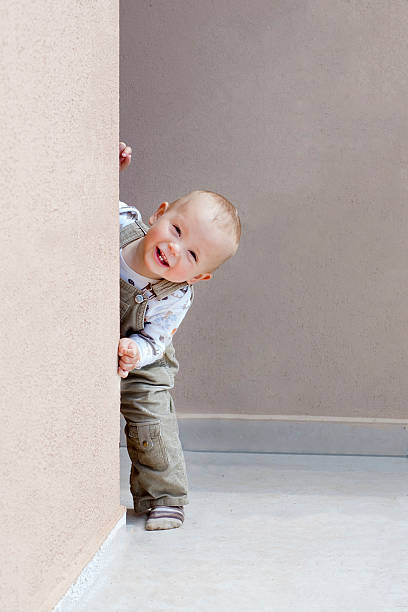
174, 280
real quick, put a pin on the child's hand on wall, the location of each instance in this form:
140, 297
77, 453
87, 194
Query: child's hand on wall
129, 356
125, 156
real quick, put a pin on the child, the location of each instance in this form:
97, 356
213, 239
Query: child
187, 240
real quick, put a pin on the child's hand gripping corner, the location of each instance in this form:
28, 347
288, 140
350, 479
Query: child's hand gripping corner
125, 156
129, 356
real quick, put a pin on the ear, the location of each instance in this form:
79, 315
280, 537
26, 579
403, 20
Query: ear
159, 212
199, 277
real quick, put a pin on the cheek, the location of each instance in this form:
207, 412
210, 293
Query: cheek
184, 263
153, 236
152, 233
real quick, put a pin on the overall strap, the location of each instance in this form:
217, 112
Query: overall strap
164, 288
132, 232
133, 305
137, 230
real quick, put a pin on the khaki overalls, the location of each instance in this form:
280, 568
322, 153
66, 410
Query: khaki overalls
158, 472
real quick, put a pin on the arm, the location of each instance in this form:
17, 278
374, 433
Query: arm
126, 213
162, 320
128, 352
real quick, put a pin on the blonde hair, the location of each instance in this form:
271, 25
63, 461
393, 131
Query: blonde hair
225, 215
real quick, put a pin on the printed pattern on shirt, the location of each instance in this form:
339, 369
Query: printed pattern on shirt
162, 317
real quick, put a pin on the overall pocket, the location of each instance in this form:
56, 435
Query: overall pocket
146, 446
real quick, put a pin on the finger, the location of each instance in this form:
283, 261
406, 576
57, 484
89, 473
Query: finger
124, 162
122, 373
123, 345
127, 366
126, 153
127, 347
126, 359
122, 146
130, 352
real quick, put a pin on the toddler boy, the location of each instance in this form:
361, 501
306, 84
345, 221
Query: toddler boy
186, 241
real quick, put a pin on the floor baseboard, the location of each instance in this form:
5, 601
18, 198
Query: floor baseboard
294, 434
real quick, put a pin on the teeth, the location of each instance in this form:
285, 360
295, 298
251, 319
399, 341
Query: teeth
162, 259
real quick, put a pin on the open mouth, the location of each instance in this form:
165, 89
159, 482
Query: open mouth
161, 257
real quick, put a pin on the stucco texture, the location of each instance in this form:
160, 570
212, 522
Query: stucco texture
296, 111
59, 308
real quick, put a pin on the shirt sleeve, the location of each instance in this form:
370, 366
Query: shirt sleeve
162, 320
127, 214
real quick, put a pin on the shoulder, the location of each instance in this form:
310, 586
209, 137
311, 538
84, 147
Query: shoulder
181, 298
184, 293
127, 214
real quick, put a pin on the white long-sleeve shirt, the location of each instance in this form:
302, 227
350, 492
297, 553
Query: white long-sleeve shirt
162, 317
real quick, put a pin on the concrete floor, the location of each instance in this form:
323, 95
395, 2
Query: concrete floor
275, 533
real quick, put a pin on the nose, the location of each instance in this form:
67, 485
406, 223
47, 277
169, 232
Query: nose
174, 249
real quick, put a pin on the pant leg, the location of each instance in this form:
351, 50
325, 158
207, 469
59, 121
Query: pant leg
158, 473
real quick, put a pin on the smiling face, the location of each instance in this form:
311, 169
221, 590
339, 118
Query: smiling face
184, 243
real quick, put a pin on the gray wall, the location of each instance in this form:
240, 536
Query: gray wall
297, 111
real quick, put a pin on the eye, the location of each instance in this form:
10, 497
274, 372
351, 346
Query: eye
178, 230
193, 255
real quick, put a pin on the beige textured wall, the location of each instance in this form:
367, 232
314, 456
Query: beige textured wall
297, 110
58, 318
